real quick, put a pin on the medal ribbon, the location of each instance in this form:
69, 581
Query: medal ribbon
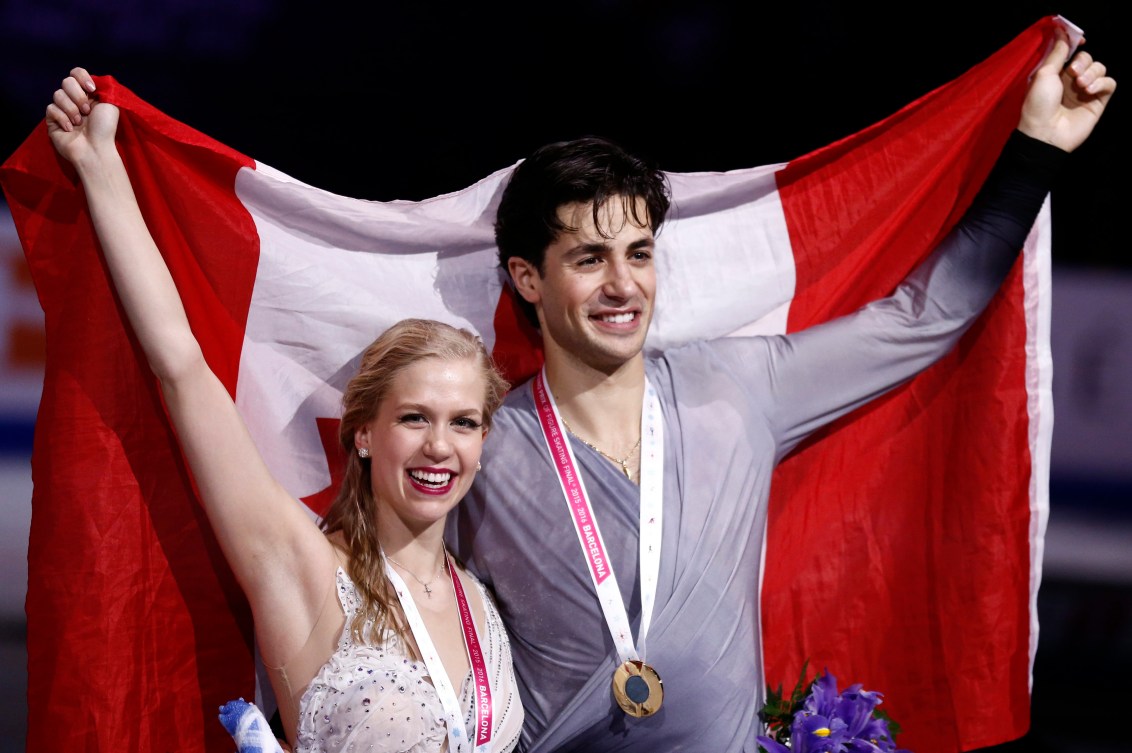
457, 735
585, 523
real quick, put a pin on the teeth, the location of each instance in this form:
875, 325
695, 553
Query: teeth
433, 479
618, 318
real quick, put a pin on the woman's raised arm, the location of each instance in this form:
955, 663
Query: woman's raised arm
273, 546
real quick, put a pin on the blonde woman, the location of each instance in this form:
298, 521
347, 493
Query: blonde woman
374, 637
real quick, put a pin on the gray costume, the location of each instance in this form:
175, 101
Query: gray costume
732, 408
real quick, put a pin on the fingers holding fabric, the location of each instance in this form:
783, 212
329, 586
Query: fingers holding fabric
72, 100
1066, 100
76, 121
1086, 76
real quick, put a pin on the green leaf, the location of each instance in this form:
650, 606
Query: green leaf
893, 727
778, 712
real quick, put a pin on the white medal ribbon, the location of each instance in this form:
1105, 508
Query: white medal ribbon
457, 734
589, 534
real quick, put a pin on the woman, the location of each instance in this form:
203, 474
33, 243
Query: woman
374, 638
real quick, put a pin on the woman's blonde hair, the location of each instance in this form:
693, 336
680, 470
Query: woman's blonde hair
354, 510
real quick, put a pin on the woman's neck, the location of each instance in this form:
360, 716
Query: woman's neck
420, 551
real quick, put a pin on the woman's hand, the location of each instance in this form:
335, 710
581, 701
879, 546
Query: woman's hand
78, 124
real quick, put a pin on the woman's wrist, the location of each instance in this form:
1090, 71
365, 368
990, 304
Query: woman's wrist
98, 162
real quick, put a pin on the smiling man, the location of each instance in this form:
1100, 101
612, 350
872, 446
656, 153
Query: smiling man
594, 288
620, 513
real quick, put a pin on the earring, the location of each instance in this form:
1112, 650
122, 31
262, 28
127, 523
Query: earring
478, 466
363, 452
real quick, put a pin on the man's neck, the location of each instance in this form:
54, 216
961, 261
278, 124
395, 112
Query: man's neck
601, 407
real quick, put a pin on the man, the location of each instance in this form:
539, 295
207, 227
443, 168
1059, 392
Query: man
629, 553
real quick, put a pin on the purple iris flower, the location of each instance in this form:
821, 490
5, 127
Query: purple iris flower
855, 707
817, 734
823, 696
832, 722
772, 746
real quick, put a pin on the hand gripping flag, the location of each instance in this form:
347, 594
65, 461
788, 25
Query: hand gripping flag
904, 541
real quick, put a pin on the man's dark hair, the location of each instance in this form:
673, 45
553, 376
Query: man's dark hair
584, 170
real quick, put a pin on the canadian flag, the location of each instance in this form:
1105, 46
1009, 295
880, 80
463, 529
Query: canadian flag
904, 541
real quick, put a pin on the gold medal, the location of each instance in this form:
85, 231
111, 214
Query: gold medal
637, 688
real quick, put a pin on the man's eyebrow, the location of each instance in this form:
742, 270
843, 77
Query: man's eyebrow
601, 247
595, 247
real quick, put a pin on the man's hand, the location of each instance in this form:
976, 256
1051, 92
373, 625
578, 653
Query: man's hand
1064, 102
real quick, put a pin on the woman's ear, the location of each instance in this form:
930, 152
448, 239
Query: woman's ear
361, 438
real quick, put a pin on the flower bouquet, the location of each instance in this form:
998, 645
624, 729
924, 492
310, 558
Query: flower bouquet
819, 719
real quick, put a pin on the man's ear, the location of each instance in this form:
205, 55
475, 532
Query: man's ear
526, 278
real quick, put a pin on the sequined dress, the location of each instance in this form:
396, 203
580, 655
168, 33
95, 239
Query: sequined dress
376, 698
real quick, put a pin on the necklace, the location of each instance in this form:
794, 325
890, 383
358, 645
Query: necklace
623, 462
427, 590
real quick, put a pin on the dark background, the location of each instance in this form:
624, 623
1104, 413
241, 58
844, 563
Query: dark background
406, 101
